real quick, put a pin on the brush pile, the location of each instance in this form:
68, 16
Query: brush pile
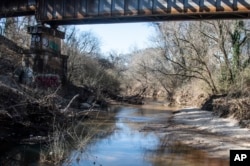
22, 115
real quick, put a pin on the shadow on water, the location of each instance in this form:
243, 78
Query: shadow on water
122, 142
128, 145
171, 153
21, 155
61, 141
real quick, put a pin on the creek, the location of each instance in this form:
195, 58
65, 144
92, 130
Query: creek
127, 144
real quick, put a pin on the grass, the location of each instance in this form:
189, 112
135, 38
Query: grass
73, 137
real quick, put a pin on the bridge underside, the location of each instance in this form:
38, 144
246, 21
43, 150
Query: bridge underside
64, 12
14, 8
154, 18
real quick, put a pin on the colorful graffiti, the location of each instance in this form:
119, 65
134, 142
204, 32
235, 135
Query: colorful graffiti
47, 80
45, 42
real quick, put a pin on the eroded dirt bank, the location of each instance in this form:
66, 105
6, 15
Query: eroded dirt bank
28, 115
205, 131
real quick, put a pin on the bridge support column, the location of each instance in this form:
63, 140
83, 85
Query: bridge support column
49, 63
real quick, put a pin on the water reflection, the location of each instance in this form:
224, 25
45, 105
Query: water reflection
175, 153
125, 146
128, 146
65, 140
122, 142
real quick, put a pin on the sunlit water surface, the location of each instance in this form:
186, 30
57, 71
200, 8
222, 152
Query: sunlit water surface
126, 144
129, 146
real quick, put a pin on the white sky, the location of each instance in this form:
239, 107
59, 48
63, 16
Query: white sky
121, 37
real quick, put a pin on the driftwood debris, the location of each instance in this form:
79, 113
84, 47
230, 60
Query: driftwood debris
22, 115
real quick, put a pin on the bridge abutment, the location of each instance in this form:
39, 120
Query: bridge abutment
49, 64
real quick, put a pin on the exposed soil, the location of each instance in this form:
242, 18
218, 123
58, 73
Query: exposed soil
205, 131
239, 108
29, 114
220, 123
234, 104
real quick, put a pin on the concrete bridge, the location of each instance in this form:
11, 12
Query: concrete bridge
64, 12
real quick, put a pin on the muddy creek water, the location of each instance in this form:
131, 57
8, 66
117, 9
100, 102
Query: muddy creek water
125, 141
129, 145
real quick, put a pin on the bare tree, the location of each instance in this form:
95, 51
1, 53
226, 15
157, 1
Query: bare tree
230, 38
78, 47
186, 52
85, 66
15, 29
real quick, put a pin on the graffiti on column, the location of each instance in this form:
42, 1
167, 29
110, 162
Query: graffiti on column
51, 44
44, 38
46, 42
47, 80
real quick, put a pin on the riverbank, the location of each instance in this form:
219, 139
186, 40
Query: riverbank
204, 131
30, 116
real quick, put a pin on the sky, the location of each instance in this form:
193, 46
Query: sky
121, 37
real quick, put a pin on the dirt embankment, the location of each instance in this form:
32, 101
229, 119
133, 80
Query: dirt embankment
24, 116
234, 104
217, 124
203, 130
227, 106
220, 125
27, 115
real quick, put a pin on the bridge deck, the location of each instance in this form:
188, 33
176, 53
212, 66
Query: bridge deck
13, 8
114, 11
